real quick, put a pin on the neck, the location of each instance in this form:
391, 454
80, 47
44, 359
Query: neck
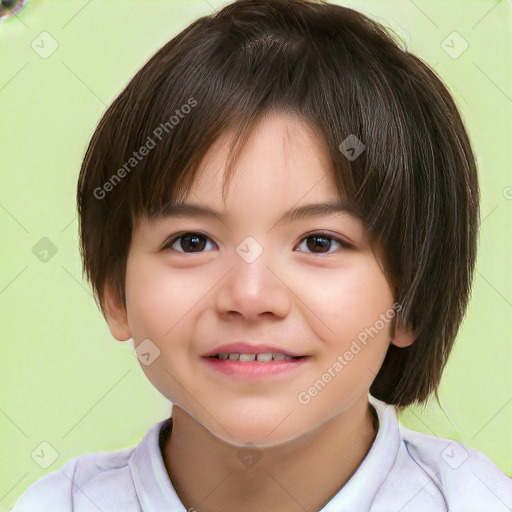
211, 475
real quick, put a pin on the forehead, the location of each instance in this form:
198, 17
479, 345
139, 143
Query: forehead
283, 157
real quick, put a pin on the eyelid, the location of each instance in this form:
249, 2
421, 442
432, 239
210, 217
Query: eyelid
343, 241
169, 242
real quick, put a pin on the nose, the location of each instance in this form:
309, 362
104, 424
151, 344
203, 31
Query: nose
255, 286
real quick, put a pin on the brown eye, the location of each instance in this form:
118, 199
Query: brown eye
321, 243
188, 243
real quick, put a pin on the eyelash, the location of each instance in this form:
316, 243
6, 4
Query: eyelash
168, 245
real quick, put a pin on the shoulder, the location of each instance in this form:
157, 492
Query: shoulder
82, 481
50, 491
468, 479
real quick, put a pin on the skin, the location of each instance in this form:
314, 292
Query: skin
311, 301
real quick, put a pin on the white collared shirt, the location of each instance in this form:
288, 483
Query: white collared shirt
404, 471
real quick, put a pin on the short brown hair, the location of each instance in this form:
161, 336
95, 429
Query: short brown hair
415, 184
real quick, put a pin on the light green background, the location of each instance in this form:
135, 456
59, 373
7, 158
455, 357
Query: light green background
64, 380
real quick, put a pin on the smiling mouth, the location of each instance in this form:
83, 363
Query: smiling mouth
263, 357
254, 367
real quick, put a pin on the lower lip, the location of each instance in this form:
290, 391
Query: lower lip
254, 369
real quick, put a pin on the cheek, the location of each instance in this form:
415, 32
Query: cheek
162, 301
351, 306
356, 309
349, 300
160, 304
158, 297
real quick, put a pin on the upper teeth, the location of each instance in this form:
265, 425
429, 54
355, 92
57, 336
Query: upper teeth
265, 356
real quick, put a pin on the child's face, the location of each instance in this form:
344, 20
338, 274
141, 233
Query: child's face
311, 296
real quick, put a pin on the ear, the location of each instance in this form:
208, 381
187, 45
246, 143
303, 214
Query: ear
115, 315
403, 336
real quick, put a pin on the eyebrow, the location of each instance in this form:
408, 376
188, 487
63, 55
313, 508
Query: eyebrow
324, 208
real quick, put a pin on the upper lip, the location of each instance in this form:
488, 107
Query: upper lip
247, 348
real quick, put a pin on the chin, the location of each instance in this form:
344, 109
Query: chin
259, 434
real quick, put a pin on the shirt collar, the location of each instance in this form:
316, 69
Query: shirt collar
155, 491
362, 487
152, 484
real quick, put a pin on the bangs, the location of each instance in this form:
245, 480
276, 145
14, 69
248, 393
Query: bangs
231, 93
240, 75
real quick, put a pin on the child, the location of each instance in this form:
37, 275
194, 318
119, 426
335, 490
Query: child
251, 134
